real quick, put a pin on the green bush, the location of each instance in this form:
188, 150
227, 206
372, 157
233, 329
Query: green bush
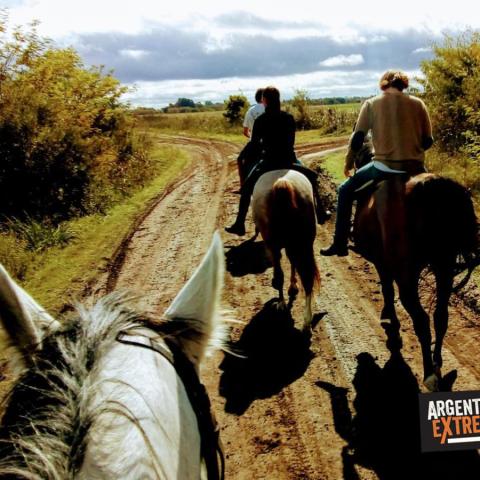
66, 141
236, 107
451, 83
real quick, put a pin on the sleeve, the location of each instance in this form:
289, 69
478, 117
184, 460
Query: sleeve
248, 120
350, 156
363, 122
426, 123
256, 136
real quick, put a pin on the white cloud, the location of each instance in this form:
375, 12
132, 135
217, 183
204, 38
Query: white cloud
343, 61
422, 50
132, 53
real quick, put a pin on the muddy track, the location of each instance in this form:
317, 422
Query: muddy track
294, 410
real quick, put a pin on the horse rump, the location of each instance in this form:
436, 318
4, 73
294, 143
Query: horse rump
293, 225
443, 219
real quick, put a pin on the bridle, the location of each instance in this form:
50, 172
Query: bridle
211, 448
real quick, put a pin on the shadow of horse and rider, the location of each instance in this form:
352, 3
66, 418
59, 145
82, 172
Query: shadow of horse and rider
383, 432
271, 352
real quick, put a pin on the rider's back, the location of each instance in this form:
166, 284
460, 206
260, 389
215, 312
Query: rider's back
399, 123
274, 136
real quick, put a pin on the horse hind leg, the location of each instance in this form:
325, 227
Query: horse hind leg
388, 291
388, 316
303, 261
421, 323
293, 288
444, 280
278, 277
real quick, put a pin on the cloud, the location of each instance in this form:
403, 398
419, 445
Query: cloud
135, 54
423, 50
177, 53
246, 20
343, 61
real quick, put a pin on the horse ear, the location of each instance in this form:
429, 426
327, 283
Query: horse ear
25, 321
197, 305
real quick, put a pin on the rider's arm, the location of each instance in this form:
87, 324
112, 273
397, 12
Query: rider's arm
357, 140
256, 135
246, 122
362, 127
427, 137
349, 162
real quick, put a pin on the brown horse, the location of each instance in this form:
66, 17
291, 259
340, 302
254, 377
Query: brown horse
284, 214
406, 225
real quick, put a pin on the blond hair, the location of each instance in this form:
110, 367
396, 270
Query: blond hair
394, 78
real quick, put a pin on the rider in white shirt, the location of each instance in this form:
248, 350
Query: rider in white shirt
246, 159
253, 113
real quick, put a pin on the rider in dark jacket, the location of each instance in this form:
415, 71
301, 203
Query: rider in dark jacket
273, 139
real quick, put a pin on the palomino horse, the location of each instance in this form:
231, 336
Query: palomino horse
109, 394
406, 225
284, 214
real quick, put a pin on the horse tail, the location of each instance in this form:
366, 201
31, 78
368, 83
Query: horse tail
294, 222
444, 221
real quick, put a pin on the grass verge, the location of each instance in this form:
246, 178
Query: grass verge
59, 275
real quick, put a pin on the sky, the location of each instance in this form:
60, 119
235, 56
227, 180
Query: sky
207, 50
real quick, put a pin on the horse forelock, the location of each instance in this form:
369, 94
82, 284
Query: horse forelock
49, 410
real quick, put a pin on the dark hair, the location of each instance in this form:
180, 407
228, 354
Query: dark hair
271, 96
259, 95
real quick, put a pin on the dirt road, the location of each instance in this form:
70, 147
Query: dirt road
343, 406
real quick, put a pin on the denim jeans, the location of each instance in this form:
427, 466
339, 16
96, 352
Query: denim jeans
365, 176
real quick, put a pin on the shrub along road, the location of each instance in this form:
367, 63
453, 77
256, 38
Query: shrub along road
343, 406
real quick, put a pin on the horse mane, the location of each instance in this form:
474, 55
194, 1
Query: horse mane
48, 412
444, 219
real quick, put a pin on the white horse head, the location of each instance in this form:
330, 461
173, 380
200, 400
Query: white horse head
90, 406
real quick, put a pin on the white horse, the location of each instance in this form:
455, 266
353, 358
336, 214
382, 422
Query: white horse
99, 397
284, 214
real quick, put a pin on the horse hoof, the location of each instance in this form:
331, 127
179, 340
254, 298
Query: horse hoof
431, 382
280, 305
292, 292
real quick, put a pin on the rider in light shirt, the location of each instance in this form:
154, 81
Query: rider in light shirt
401, 132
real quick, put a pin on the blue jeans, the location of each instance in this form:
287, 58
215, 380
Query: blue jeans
365, 176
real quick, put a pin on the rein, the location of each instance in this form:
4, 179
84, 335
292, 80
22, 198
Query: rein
211, 448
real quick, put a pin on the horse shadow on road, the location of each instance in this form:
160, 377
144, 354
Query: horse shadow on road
249, 257
384, 433
273, 354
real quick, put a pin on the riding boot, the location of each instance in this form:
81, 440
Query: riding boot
238, 228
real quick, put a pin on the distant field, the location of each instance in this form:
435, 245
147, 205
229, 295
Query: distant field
338, 106
214, 125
